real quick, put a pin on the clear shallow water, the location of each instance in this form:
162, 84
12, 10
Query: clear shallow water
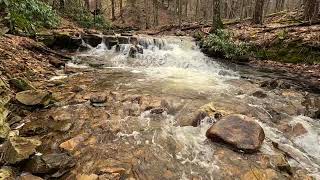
174, 67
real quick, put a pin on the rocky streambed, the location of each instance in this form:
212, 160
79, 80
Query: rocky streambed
156, 108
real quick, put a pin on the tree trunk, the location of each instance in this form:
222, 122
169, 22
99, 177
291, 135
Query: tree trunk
146, 15
180, 13
186, 8
197, 10
155, 13
113, 17
311, 10
216, 20
258, 12
242, 10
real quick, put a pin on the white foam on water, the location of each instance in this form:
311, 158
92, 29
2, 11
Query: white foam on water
300, 149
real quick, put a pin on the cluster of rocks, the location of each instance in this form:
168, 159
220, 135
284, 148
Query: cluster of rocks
20, 151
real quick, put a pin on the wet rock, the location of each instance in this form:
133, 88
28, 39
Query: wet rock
110, 41
180, 33
72, 143
98, 98
208, 111
158, 110
92, 39
66, 41
126, 34
281, 163
21, 84
294, 130
261, 174
273, 84
28, 176
19, 148
34, 97
123, 40
259, 94
108, 32
4, 131
78, 89
60, 120
87, 177
49, 163
7, 173
238, 131
56, 62
134, 40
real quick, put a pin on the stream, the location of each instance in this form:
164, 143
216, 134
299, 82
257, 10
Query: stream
173, 73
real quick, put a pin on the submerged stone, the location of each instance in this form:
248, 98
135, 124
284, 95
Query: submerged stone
238, 131
34, 97
19, 148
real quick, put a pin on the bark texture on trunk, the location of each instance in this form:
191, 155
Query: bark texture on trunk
258, 12
216, 20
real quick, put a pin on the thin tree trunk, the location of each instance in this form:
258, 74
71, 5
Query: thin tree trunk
197, 10
113, 17
180, 13
146, 15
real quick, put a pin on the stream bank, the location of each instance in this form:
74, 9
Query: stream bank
113, 115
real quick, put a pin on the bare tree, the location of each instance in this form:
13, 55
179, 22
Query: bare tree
113, 16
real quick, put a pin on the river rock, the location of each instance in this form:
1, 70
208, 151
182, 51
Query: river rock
238, 131
4, 126
21, 84
92, 39
19, 148
50, 163
123, 40
98, 98
259, 94
72, 143
61, 120
56, 62
34, 97
7, 173
28, 176
260, 174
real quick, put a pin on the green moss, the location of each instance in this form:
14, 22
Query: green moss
289, 53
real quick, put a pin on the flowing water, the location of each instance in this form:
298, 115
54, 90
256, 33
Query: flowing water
175, 69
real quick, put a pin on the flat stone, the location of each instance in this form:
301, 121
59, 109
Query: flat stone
34, 97
72, 143
238, 131
19, 148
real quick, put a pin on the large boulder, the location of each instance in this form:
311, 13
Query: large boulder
238, 131
92, 39
34, 97
19, 148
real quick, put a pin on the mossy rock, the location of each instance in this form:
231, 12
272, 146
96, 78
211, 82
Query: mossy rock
21, 84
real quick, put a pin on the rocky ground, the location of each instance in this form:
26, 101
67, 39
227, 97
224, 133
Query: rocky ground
84, 127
